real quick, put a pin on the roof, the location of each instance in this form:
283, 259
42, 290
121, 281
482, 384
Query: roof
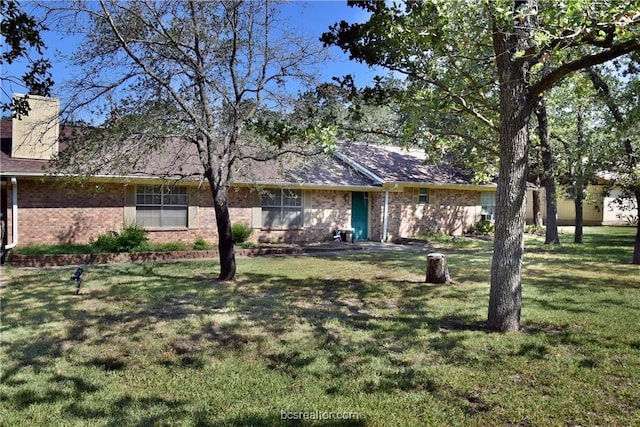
320, 170
354, 165
403, 165
20, 166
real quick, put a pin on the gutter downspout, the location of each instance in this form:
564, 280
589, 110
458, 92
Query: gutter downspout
385, 216
14, 216
376, 181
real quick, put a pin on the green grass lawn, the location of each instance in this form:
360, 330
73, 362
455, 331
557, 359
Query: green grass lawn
355, 335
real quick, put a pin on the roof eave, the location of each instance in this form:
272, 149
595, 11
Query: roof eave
307, 186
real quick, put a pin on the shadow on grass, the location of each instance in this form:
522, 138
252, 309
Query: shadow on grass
127, 410
338, 313
364, 334
610, 245
59, 390
271, 421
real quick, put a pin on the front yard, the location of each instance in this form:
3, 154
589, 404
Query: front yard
351, 339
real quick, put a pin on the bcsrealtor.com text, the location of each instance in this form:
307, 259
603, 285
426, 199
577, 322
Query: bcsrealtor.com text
319, 415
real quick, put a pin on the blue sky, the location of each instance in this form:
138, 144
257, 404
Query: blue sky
312, 17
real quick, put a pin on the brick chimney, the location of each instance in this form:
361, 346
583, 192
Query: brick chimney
36, 136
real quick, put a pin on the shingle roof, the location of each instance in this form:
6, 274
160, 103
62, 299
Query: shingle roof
320, 170
176, 158
395, 164
358, 166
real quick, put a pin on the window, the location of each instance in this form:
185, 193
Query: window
282, 208
423, 196
161, 206
488, 202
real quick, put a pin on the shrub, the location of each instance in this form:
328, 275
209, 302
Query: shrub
240, 233
247, 245
107, 242
534, 229
132, 238
201, 245
166, 247
484, 227
63, 249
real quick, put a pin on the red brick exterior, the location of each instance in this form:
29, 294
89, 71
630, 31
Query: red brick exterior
52, 212
324, 212
56, 211
449, 211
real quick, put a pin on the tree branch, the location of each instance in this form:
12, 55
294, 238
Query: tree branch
548, 81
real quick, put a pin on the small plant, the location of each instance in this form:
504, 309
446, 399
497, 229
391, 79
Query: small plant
247, 245
534, 229
132, 238
63, 249
240, 233
201, 245
484, 227
166, 247
106, 242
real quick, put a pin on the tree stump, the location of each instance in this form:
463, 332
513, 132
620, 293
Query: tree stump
437, 270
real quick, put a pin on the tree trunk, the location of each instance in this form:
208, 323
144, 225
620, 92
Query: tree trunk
632, 159
225, 238
551, 233
636, 248
505, 297
437, 270
579, 204
537, 214
579, 178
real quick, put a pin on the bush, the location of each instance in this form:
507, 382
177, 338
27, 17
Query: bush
107, 242
132, 238
247, 245
240, 233
63, 249
201, 245
484, 227
534, 229
166, 247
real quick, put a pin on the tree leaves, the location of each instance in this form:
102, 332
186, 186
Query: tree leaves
21, 34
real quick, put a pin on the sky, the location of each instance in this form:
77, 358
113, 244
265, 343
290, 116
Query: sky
312, 17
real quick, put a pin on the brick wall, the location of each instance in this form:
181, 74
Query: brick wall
324, 212
376, 215
55, 212
51, 212
453, 211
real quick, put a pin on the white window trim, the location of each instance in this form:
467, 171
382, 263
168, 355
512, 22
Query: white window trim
488, 210
299, 207
162, 205
417, 193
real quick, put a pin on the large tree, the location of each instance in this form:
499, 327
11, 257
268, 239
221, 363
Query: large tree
547, 173
351, 115
579, 130
618, 87
474, 54
22, 41
195, 72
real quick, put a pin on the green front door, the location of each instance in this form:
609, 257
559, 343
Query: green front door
360, 215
